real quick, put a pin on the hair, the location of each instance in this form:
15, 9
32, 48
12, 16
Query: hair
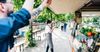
3, 1
49, 21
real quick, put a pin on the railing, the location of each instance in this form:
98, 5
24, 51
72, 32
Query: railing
20, 45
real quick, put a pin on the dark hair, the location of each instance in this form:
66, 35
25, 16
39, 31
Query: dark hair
49, 21
3, 1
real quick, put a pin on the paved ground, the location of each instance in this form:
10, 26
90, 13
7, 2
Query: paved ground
60, 41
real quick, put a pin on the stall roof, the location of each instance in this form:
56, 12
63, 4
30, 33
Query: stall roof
66, 6
92, 8
93, 5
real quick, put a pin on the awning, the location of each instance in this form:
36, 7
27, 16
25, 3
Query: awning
66, 6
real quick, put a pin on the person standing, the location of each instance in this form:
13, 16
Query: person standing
48, 31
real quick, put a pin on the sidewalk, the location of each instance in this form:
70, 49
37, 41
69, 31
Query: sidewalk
60, 41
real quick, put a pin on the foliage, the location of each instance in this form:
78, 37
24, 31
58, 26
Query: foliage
46, 13
96, 21
18, 4
37, 3
87, 20
85, 30
69, 16
49, 14
30, 39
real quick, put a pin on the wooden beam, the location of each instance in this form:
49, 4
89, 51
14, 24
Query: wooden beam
90, 9
91, 6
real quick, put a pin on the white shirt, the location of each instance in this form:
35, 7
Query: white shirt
47, 29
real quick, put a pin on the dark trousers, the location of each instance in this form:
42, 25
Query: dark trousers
50, 49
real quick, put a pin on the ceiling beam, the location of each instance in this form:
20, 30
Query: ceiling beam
91, 6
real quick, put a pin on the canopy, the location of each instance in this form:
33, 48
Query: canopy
66, 6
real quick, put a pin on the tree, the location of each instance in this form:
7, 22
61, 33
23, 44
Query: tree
46, 13
18, 4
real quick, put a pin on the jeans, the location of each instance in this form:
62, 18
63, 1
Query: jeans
49, 42
50, 49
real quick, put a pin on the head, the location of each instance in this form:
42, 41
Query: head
6, 7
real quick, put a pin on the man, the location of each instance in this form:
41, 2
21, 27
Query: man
9, 24
48, 31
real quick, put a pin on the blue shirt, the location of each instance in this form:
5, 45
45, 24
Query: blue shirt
10, 24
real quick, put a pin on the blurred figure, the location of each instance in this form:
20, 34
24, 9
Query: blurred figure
48, 31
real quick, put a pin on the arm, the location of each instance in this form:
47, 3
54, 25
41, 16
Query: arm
29, 4
37, 11
15, 21
43, 5
22, 17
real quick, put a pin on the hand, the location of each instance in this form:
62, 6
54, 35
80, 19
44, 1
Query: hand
46, 3
49, 2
